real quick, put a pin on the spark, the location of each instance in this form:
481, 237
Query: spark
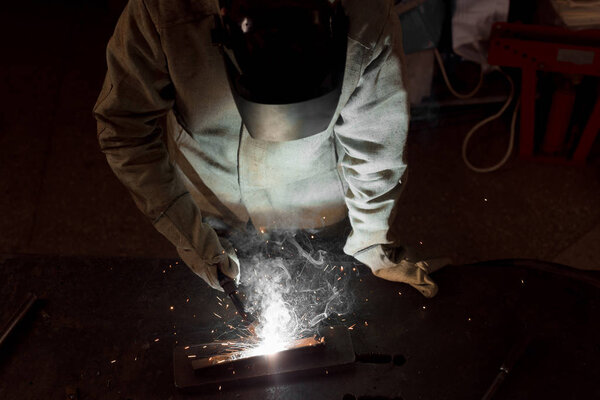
217, 315
171, 308
192, 356
157, 339
187, 300
366, 323
290, 305
420, 242
113, 361
424, 307
186, 348
351, 327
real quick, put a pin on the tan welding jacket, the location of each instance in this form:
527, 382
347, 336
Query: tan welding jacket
162, 66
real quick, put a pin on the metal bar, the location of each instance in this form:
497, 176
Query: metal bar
513, 356
335, 353
228, 357
17, 317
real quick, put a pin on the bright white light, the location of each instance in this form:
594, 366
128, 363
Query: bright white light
275, 331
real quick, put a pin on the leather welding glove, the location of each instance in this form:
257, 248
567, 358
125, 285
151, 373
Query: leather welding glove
229, 264
389, 264
197, 242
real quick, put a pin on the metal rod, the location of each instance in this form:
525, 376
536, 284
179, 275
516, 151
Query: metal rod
17, 317
513, 356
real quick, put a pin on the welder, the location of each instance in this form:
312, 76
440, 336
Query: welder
280, 114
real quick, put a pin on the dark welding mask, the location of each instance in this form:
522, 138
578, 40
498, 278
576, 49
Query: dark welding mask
285, 62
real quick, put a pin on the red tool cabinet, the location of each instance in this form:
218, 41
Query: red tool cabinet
533, 49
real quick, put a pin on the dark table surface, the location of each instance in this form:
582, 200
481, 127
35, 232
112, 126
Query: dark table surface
106, 327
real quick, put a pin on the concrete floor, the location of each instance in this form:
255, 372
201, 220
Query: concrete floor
60, 197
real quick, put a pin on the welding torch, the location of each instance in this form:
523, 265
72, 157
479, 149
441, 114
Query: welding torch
231, 290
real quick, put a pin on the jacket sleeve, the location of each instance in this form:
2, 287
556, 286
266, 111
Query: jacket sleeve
372, 131
137, 93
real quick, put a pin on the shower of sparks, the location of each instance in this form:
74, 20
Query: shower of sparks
289, 297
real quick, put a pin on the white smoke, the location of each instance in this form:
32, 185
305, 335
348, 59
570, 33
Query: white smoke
291, 293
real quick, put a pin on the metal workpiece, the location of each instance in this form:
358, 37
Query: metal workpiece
193, 371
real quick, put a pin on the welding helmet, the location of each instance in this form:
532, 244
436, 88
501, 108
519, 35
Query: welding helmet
285, 63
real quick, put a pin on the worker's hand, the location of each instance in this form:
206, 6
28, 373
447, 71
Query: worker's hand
227, 262
390, 264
